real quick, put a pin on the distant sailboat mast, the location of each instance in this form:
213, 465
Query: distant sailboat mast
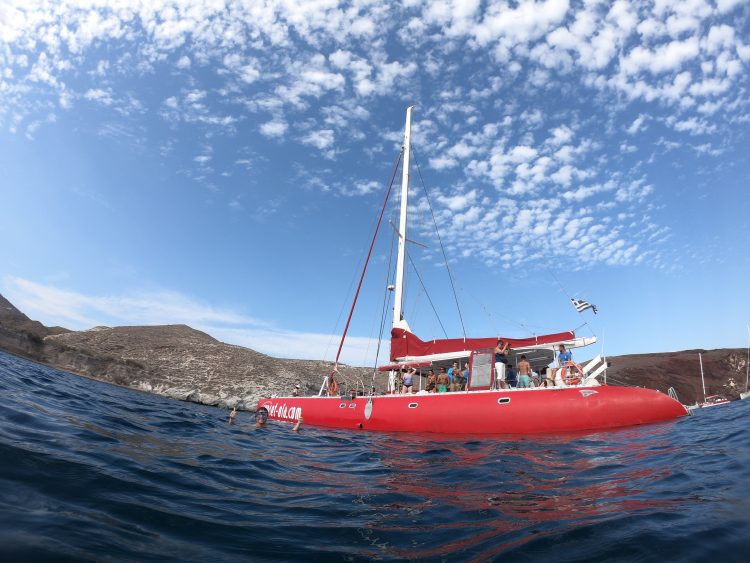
746, 395
703, 381
398, 314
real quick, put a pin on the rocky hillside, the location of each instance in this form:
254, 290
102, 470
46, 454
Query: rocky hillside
183, 363
724, 371
175, 360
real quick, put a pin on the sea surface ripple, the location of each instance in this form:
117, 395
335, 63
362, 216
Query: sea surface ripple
90, 471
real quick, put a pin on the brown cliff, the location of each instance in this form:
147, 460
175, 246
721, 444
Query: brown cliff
173, 360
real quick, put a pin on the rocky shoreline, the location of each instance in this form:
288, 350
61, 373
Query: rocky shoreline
175, 361
182, 363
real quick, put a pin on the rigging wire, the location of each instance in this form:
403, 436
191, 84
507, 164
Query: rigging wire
367, 261
427, 294
440, 240
386, 301
489, 313
560, 285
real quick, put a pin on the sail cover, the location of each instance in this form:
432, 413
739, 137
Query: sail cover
404, 344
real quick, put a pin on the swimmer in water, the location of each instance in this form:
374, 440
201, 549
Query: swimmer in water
261, 417
297, 424
232, 415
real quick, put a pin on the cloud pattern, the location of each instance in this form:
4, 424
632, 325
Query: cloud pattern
537, 119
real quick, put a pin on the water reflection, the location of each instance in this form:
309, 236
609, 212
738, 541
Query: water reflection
485, 497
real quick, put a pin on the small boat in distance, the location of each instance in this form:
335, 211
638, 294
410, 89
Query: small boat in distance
485, 405
710, 400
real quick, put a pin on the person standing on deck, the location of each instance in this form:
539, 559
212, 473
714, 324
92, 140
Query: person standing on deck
408, 378
443, 381
524, 373
501, 359
459, 383
431, 382
452, 371
563, 358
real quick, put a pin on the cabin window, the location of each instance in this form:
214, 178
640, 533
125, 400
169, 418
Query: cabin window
503, 400
413, 405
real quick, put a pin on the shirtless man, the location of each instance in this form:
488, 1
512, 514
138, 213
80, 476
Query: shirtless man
524, 373
431, 382
443, 381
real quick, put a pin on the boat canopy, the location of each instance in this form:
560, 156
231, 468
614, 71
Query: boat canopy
408, 348
389, 367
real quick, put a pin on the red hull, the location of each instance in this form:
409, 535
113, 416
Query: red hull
520, 411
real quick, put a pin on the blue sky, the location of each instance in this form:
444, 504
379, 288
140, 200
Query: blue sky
221, 164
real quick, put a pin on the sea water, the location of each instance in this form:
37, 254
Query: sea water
90, 471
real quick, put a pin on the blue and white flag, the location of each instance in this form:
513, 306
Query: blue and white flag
582, 305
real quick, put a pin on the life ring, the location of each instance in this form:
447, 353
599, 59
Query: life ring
570, 378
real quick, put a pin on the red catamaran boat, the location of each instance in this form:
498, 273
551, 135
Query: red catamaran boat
577, 402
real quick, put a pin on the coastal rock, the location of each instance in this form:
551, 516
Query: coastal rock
174, 360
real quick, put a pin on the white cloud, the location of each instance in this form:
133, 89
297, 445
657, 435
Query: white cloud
275, 128
637, 124
322, 139
98, 95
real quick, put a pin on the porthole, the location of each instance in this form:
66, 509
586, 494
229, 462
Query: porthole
413, 405
342, 406
503, 400
353, 405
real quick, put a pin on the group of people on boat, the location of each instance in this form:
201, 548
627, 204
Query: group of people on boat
522, 375
445, 380
507, 374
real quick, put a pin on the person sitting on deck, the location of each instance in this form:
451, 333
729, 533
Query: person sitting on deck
431, 386
524, 373
511, 377
443, 381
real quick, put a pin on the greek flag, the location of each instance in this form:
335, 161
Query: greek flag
582, 305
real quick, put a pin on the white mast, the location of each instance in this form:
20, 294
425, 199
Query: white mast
703, 381
398, 306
